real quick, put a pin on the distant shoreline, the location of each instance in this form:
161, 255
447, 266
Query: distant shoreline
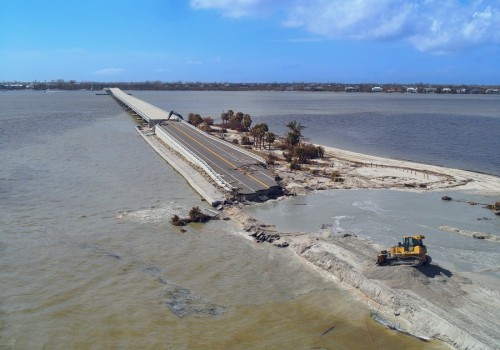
419, 88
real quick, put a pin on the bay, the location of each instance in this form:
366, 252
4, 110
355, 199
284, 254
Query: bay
89, 259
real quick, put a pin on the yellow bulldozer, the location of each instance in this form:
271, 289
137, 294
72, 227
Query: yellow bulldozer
412, 252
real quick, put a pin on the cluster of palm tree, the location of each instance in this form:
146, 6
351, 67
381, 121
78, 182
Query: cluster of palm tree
237, 121
262, 135
299, 151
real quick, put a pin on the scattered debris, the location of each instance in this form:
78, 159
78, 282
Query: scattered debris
195, 215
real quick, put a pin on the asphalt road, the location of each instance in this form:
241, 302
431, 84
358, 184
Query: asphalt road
237, 168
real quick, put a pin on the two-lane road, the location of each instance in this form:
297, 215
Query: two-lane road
237, 168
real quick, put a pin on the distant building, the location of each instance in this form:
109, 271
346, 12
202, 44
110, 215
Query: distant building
446, 90
411, 90
492, 91
12, 86
351, 89
377, 89
430, 90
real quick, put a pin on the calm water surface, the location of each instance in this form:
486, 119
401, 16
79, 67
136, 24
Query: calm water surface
459, 131
89, 260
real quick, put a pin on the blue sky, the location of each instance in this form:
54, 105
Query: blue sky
350, 41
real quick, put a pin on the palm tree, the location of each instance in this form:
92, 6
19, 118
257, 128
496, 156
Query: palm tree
247, 121
294, 136
296, 127
262, 130
270, 138
225, 117
255, 133
258, 132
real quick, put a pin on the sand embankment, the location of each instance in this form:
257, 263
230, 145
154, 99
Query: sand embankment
357, 170
434, 177
428, 301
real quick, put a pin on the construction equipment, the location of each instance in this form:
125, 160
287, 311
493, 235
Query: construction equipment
411, 253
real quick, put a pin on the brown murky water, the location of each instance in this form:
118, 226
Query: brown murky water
89, 260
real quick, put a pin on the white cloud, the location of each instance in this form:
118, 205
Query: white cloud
240, 8
108, 71
452, 28
436, 26
353, 19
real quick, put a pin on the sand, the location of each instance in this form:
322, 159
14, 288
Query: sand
428, 301
364, 171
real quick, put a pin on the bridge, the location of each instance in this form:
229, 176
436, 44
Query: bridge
240, 173
152, 115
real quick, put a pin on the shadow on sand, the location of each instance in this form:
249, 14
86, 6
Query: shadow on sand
432, 271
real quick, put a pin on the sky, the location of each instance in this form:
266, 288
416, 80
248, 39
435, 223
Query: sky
337, 41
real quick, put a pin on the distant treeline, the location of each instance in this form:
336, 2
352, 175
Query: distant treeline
198, 86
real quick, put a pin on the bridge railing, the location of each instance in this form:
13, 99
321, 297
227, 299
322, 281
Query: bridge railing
129, 105
163, 135
239, 149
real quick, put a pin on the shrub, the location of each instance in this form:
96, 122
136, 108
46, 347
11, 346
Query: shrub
271, 158
294, 165
287, 156
245, 140
208, 120
335, 174
205, 127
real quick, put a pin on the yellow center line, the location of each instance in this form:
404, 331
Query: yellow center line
218, 155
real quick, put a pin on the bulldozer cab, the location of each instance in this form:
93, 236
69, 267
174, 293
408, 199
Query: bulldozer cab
410, 242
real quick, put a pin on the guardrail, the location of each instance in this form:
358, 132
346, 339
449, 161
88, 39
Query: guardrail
239, 149
163, 135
